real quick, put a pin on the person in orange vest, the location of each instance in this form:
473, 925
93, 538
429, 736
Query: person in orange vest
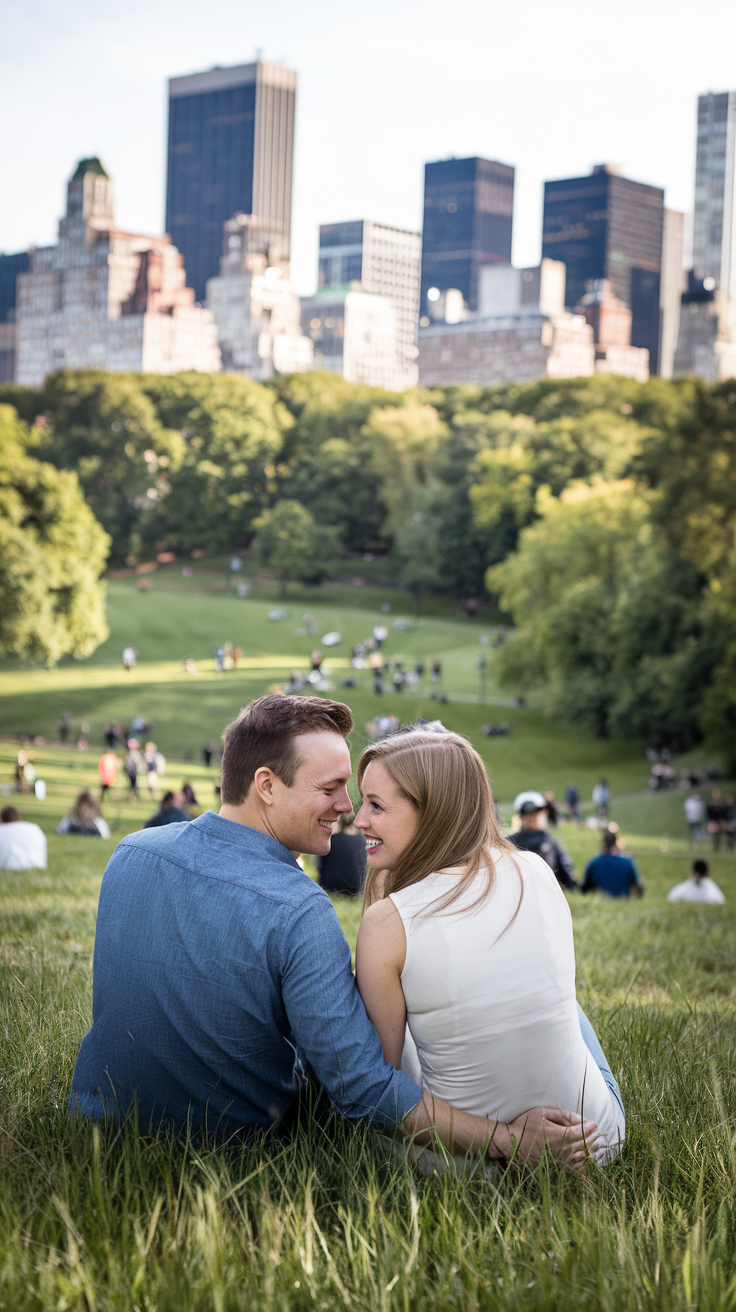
108, 772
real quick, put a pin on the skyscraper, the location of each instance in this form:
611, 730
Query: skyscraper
10, 267
468, 214
714, 224
230, 151
706, 341
607, 226
385, 261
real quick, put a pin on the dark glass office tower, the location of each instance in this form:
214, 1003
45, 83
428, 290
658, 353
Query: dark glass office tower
468, 212
10, 267
230, 151
606, 226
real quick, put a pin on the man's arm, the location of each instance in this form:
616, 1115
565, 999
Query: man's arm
571, 1141
589, 884
564, 866
635, 885
332, 1030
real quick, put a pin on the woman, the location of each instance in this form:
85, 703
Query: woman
85, 818
470, 941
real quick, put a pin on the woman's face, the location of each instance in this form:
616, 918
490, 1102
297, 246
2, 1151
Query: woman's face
387, 819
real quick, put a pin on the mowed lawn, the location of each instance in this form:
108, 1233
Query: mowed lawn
97, 1219
185, 711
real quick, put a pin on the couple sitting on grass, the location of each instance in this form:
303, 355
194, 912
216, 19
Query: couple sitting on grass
223, 987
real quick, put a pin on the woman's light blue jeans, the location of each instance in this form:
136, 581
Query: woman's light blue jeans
590, 1039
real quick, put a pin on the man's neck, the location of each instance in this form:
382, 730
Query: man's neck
253, 817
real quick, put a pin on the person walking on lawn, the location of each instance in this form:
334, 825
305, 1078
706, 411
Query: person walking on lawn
221, 973
108, 772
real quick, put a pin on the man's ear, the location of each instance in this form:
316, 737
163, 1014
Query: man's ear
263, 781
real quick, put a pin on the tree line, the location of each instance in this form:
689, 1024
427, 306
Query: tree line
598, 513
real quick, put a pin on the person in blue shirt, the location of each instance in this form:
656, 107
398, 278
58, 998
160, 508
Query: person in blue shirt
222, 979
612, 872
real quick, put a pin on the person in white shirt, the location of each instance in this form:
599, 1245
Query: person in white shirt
470, 941
698, 888
694, 809
22, 844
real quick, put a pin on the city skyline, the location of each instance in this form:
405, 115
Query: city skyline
377, 100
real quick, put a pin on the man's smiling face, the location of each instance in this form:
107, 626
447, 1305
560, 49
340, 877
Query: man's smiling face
302, 816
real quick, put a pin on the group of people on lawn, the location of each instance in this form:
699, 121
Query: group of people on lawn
224, 1002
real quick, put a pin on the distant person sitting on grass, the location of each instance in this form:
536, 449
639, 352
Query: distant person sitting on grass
22, 844
612, 872
532, 836
342, 869
210, 1027
698, 888
85, 819
170, 812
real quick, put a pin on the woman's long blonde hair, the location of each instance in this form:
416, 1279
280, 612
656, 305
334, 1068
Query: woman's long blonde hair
445, 779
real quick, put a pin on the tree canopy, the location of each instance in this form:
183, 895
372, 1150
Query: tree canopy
596, 514
52, 552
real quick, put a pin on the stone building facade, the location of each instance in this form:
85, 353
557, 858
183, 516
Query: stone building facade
106, 299
257, 311
516, 348
355, 333
520, 333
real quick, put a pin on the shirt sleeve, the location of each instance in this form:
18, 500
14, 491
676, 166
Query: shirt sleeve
330, 1025
564, 866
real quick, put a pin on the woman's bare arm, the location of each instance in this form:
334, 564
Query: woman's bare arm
379, 961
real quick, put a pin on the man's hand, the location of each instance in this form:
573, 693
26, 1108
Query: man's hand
571, 1141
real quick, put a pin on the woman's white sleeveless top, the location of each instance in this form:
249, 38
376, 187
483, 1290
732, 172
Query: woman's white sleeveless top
490, 996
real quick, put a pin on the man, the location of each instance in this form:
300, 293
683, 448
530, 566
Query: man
533, 837
572, 798
22, 844
698, 888
717, 815
170, 812
612, 872
221, 971
601, 798
694, 809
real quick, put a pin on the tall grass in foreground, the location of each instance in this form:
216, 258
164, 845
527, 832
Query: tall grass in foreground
97, 1218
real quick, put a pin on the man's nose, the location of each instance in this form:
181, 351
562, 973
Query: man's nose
342, 802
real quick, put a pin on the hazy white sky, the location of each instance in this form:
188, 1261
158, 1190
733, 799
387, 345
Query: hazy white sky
552, 88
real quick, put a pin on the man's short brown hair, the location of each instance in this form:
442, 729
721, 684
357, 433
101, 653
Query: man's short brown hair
264, 734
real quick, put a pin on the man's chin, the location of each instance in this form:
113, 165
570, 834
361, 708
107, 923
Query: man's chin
319, 844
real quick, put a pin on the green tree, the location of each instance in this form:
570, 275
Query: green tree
416, 550
232, 432
52, 551
611, 624
293, 546
106, 428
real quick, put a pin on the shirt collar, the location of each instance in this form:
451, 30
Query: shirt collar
244, 837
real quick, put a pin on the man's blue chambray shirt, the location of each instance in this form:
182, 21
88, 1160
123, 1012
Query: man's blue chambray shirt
216, 960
